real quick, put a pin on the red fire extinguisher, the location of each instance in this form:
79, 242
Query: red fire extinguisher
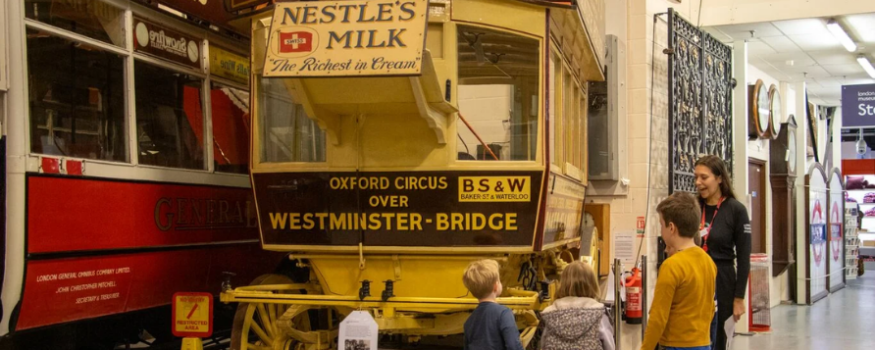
633, 297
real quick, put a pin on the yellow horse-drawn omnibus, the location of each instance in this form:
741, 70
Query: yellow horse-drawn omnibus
394, 142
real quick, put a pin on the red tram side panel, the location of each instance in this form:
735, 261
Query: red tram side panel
71, 214
99, 247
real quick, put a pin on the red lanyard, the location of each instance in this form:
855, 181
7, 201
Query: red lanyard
702, 225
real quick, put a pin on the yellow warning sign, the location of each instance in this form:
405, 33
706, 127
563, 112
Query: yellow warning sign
495, 188
192, 314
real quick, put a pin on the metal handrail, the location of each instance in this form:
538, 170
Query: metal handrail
643, 295
618, 302
524, 300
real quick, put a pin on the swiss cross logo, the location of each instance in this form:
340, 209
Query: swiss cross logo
295, 42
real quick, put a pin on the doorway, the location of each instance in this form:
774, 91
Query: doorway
757, 191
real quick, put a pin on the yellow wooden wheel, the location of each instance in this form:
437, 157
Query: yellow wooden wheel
265, 326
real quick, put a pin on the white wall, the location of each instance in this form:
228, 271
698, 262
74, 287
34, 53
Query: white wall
788, 93
3, 57
837, 140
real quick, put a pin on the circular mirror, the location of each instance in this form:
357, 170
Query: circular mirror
775, 114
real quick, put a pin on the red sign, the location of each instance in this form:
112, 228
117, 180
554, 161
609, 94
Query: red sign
640, 224
75, 214
296, 42
192, 315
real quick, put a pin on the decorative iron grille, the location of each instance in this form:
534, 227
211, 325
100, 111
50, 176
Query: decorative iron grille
699, 100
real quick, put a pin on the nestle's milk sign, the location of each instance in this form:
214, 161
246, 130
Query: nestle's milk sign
346, 38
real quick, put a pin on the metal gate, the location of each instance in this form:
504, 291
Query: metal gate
699, 100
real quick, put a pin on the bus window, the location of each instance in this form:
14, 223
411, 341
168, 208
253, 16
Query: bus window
576, 140
77, 104
570, 125
170, 119
94, 19
287, 134
231, 127
498, 95
556, 111
584, 146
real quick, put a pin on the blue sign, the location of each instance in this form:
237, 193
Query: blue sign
858, 105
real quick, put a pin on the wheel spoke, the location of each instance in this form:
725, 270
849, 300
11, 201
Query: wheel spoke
273, 317
264, 338
256, 347
265, 319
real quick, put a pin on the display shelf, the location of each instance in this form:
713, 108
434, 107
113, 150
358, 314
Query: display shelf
852, 243
852, 273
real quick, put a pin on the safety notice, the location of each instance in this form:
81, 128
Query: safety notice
192, 315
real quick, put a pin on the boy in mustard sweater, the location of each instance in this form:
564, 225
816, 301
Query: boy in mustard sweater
683, 304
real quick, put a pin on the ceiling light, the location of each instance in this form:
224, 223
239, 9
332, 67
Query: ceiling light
867, 66
836, 29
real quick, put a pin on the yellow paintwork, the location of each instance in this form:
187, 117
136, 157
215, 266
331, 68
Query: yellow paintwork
390, 124
192, 344
510, 15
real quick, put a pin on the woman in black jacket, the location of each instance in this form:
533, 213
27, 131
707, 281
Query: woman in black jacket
725, 230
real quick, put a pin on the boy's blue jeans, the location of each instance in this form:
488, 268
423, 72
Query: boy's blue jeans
713, 330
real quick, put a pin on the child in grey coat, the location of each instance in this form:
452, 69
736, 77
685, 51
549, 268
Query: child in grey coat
576, 320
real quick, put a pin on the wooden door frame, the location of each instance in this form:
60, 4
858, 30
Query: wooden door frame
762, 200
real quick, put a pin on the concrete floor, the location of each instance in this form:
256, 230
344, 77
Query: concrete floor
843, 321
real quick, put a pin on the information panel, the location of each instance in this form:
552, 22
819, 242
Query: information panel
836, 229
427, 209
192, 314
816, 211
858, 105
